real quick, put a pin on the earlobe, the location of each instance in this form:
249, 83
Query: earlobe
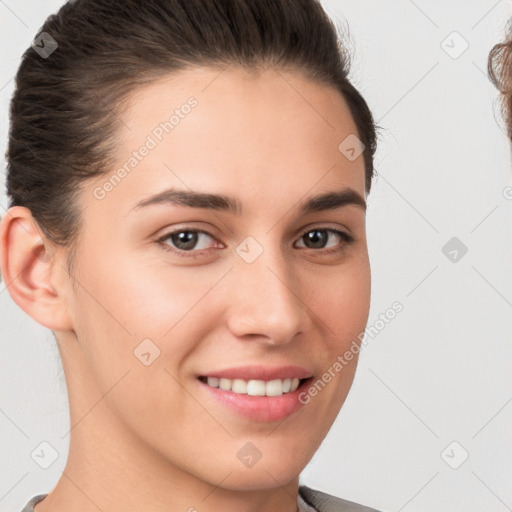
29, 267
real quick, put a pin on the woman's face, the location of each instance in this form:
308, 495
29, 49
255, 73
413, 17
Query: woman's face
264, 286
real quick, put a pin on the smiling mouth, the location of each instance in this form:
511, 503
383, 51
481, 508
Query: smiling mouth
275, 387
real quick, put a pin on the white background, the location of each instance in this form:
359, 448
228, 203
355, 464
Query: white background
441, 370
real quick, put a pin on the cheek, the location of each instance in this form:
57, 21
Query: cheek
125, 315
147, 296
127, 300
342, 302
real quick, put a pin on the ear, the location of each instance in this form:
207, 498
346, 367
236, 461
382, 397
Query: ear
32, 270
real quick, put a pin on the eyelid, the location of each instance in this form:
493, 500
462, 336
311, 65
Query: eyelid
326, 226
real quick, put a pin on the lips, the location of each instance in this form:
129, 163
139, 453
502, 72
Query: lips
259, 372
260, 393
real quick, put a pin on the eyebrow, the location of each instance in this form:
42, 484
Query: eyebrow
328, 201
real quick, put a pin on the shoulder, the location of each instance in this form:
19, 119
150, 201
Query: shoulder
29, 507
324, 502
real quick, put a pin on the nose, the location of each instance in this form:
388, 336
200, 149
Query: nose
266, 302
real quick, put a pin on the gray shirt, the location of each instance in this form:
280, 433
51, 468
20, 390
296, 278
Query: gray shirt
308, 500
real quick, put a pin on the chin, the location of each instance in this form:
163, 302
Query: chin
252, 479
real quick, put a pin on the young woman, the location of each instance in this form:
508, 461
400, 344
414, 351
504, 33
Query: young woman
187, 183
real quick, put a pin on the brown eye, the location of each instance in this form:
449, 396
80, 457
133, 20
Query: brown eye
186, 240
192, 242
318, 238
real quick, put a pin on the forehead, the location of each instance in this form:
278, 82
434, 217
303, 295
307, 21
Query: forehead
214, 129
259, 93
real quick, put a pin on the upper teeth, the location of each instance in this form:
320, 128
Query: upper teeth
255, 387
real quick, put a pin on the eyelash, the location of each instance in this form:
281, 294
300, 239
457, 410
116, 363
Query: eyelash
348, 239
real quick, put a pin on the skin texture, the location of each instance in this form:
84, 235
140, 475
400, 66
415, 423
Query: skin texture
150, 437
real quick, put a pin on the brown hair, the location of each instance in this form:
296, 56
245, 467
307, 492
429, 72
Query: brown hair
499, 67
63, 111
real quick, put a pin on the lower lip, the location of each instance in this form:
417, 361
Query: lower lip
260, 408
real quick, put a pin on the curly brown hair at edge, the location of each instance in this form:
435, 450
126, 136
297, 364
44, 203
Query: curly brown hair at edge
500, 73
